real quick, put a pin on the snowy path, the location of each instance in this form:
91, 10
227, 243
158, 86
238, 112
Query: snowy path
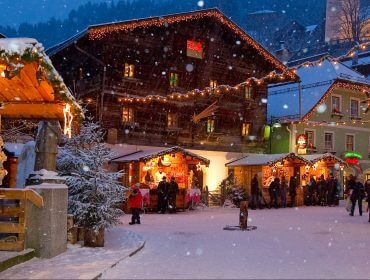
308, 242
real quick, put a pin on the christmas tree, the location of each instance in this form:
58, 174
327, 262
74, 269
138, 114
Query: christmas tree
94, 194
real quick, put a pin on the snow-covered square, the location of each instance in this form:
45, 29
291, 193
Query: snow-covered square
307, 242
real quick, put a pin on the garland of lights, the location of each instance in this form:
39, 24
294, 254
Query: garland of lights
291, 156
174, 150
209, 91
336, 85
99, 32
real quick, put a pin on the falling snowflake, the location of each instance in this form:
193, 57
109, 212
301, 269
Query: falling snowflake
322, 108
285, 106
200, 4
189, 67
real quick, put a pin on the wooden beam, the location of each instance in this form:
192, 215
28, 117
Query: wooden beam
33, 110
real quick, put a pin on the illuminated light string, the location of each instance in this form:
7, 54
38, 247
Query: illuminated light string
99, 32
208, 91
68, 118
350, 54
336, 85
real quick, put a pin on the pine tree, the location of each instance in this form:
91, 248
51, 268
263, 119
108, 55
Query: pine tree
94, 194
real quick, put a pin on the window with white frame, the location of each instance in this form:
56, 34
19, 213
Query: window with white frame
350, 142
355, 105
310, 134
329, 141
336, 106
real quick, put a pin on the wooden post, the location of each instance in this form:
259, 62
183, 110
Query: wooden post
47, 139
243, 215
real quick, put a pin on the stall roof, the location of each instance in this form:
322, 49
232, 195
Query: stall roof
145, 155
263, 159
327, 156
30, 86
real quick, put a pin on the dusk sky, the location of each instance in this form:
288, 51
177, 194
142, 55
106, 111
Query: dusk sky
33, 11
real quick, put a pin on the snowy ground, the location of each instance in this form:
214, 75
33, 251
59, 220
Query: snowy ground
79, 262
307, 242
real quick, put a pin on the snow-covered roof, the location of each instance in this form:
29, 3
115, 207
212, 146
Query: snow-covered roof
283, 99
153, 152
14, 148
38, 81
264, 159
311, 28
262, 12
313, 158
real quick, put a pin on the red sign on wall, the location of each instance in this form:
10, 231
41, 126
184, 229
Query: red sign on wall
194, 49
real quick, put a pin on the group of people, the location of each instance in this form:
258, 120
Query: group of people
323, 192
166, 198
167, 195
278, 191
358, 191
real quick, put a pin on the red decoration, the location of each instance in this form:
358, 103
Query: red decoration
353, 161
302, 141
194, 49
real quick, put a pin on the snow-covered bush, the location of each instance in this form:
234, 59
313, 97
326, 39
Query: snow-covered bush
94, 194
232, 192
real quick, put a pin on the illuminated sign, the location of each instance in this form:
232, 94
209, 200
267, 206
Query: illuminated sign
351, 160
194, 49
352, 155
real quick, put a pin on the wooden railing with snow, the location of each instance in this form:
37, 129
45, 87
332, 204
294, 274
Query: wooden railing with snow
13, 217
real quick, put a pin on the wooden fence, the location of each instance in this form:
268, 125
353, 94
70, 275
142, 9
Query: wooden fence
13, 217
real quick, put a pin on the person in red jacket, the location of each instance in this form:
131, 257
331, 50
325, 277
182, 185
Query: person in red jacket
136, 203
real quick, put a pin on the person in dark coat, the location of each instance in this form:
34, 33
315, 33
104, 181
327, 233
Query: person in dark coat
162, 189
367, 189
293, 190
283, 191
274, 192
172, 192
255, 191
322, 186
311, 191
330, 190
357, 195
136, 203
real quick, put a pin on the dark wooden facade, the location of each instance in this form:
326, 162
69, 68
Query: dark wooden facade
158, 49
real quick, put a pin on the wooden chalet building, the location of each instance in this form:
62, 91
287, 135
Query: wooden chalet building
173, 80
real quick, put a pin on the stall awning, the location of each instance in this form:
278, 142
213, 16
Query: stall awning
30, 87
263, 159
327, 157
146, 155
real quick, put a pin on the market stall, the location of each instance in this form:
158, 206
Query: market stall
148, 167
325, 164
267, 167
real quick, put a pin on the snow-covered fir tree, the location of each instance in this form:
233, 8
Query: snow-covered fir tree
233, 193
94, 194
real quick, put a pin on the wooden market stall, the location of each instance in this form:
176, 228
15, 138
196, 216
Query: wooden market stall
267, 167
149, 166
324, 164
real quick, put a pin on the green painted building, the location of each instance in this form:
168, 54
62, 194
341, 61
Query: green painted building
330, 107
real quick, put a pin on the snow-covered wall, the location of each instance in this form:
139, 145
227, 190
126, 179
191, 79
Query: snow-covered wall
26, 163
